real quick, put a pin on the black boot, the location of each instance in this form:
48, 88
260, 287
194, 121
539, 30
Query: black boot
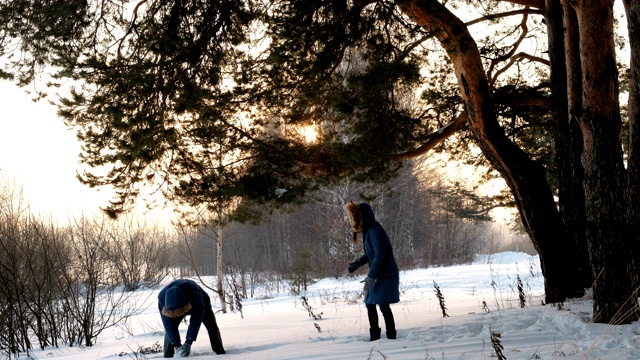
389, 321
216, 343
375, 334
167, 348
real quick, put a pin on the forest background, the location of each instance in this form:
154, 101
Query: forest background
65, 283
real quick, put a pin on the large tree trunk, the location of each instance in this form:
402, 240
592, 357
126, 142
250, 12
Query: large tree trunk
568, 144
632, 8
525, 178
615, 299
572, 206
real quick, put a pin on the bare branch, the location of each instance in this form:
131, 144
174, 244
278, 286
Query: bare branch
413, 45
518, 58
318, 165
526, 11
537, 4
531, 99
530, 57
514, 47
436, 138
485, 210
133, 24
362, 3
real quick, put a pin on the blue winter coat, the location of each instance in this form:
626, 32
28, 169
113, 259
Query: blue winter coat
176, 295
382, 264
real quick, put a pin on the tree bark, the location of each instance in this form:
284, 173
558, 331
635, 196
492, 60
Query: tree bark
632, 9
614, 297
537, 4
568, 147
571, 192
220, 274
525, 178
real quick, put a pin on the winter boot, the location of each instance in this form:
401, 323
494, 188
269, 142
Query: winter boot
167, 348
391, 334
375, 334
216, 343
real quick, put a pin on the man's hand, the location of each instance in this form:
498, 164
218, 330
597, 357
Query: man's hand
184, 350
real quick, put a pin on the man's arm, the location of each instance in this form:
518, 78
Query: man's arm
171, 330
194, 324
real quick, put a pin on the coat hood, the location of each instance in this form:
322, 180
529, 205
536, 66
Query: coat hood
368, 218
360, 215
175, 303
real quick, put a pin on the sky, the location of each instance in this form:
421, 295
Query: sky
276, 326
39, 155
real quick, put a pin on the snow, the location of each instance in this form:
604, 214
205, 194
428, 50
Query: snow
279, 327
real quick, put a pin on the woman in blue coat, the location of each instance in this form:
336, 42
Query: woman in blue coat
178, 299
381, 286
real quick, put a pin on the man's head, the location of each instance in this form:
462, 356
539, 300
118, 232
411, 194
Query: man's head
175, 303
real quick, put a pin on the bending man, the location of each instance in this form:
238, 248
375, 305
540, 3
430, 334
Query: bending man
178, 299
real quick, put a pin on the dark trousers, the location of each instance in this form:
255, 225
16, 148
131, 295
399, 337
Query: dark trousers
385, 309
209, 321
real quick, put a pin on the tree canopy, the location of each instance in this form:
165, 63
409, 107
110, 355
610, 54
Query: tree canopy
209, 99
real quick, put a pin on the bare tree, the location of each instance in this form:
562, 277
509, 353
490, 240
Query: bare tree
29, 295
203, 240
91, 295
45, 266
330, 225
139, 253
15, 319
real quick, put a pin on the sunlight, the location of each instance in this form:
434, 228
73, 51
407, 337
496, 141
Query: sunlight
310, 133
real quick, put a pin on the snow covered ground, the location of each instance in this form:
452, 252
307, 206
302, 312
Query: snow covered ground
480, 298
